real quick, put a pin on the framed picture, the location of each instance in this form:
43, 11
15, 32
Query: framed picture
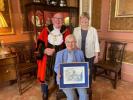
74, 75
36, 18
124, 8
6, 26
121, 23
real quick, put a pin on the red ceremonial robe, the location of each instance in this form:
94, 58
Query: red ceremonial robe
41, 75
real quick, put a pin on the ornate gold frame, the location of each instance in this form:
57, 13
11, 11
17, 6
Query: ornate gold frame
124, 8
119, 24
7, 15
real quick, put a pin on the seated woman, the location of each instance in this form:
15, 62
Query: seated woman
68, 55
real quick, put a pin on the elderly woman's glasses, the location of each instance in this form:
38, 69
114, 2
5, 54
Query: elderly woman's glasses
68, 42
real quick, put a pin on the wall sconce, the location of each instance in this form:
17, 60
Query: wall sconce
3, 22
67, 21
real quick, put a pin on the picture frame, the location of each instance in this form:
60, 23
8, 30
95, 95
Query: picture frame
5, 11
74, 75
118, 24
124, 8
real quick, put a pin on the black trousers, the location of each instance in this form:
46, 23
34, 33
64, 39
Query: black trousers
44, 89
91, 63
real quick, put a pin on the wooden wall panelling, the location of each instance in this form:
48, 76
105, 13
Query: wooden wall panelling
96, 13
6, 13
73, 3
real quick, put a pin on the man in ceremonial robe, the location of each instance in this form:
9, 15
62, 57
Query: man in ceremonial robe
50, 41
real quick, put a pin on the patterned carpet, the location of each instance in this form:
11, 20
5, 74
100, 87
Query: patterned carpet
102, 90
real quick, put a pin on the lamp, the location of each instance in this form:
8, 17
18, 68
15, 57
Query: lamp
2, 21
67, 21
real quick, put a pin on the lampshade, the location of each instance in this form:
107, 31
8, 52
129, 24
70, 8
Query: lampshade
2, 21
66, 20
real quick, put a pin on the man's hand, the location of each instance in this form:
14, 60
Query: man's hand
58, 76
49, 51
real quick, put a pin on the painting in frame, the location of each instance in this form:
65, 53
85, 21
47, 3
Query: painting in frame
5, 10
74, 75
124, 8
119, 24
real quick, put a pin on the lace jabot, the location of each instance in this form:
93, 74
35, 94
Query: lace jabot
55, 37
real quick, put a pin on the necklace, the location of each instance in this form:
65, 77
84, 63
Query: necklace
55, 39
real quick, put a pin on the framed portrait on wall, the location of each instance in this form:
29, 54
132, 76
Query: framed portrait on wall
36, 18
6, 26
121, 22
124, 8
74, 75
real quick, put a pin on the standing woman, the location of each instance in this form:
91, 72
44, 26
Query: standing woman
87, 41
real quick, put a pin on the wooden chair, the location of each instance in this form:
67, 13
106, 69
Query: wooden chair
110, 66
26, 68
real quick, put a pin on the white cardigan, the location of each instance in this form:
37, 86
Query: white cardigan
92, 43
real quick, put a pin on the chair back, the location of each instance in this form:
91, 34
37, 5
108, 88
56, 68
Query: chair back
114, 51
110, 65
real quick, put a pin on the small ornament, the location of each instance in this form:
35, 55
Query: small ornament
62, 3
53, 2
48, 2
36, 0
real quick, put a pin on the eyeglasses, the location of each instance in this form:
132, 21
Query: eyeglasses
68, 42
58, 18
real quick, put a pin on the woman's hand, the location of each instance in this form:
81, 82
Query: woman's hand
96, 58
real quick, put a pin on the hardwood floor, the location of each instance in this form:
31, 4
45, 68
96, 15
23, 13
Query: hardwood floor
102, 90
